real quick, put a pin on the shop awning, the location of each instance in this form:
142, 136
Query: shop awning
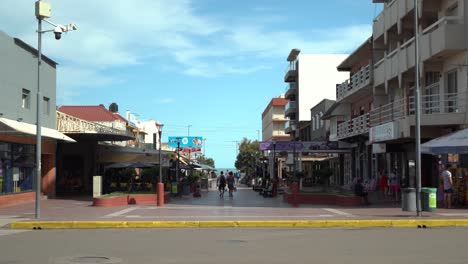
453, 143
8, 126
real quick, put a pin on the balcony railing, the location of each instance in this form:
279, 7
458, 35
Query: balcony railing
357, 81
430, 105
278, 117
291, 105
70, 124
353, 127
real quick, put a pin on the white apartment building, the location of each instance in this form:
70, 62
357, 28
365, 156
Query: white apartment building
309, 78
273, 120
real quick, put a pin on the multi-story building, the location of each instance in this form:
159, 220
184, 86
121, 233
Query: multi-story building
320, 128
443, 31
18, 109
307, 78
273, 120
349, 117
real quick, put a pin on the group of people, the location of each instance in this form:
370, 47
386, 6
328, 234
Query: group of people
223, 180
389, 185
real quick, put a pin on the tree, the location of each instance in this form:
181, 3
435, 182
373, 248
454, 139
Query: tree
206, 161
249, 155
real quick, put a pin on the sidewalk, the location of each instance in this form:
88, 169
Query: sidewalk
246, 205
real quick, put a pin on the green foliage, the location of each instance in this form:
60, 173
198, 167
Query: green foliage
206, 161
150, 174
249, 155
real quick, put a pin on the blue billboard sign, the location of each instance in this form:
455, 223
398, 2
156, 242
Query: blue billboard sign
185, 142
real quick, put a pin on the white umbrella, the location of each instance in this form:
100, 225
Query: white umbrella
452, 143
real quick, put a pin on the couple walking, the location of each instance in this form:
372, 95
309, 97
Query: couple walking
221, 183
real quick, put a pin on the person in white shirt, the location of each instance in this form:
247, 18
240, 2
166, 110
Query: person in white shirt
448, 186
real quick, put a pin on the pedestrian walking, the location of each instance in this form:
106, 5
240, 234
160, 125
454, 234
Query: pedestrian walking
448, 186
221, 183
394, 181
383, 184
230, 182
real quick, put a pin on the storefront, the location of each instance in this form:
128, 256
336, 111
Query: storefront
16, 167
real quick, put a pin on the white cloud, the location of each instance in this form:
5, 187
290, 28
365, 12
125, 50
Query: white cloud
119, 33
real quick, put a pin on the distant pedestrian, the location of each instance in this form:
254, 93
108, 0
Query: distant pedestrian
448, 186
383, 184
394, 181
221, 183
230, 182
359, 191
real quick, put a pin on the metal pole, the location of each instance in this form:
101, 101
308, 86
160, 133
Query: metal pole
274, 160
160, 164
294, 160
38, 121
178, 160
417, 111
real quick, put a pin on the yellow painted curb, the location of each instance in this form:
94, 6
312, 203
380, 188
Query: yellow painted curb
398, 223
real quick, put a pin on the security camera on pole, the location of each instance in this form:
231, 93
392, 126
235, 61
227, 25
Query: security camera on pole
43, 11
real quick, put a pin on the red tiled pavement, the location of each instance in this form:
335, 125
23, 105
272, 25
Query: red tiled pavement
246, 205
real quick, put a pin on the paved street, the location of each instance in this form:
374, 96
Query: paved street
246, 205
237, 246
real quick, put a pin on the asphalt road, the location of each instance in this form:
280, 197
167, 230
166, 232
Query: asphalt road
235, 246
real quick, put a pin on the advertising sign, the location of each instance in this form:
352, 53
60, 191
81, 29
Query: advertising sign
185, 142
387, 131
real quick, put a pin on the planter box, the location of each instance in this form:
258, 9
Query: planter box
17, 198
142, 199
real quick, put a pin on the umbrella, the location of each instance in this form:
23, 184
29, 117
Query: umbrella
452, 143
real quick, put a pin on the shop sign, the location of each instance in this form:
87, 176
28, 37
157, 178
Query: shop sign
383, 132
379, 148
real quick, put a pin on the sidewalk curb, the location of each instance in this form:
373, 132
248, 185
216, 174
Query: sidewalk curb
400, 223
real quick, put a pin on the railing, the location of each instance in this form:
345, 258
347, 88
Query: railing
290, 86
278, 117
291, 105
353, 127
430, 104
70, 124
442, 21
291, 67
355, 83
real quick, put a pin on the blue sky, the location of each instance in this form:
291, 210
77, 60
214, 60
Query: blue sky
211, 64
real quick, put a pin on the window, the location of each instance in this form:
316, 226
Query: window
313, 123
46, 106
451, 90
26, 99
430, 98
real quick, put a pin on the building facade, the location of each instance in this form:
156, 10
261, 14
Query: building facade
273, 120
18, 109
307, 77
443, 35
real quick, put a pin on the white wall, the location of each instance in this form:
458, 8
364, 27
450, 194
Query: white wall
317, 79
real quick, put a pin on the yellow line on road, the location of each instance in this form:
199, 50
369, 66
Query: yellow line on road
400, 223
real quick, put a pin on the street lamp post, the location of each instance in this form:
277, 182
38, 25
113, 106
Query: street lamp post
160, 183
178, 159
43, 11
274, 158
417, 110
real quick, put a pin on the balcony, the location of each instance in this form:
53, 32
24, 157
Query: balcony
356, 87
289, 127
291, 90
278, 118
396, 62
71, 125
291, 107
391, 16
443, 38
291, 72
436, 109
354, 127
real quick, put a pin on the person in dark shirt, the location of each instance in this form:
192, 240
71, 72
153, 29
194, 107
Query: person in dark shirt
359, 191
